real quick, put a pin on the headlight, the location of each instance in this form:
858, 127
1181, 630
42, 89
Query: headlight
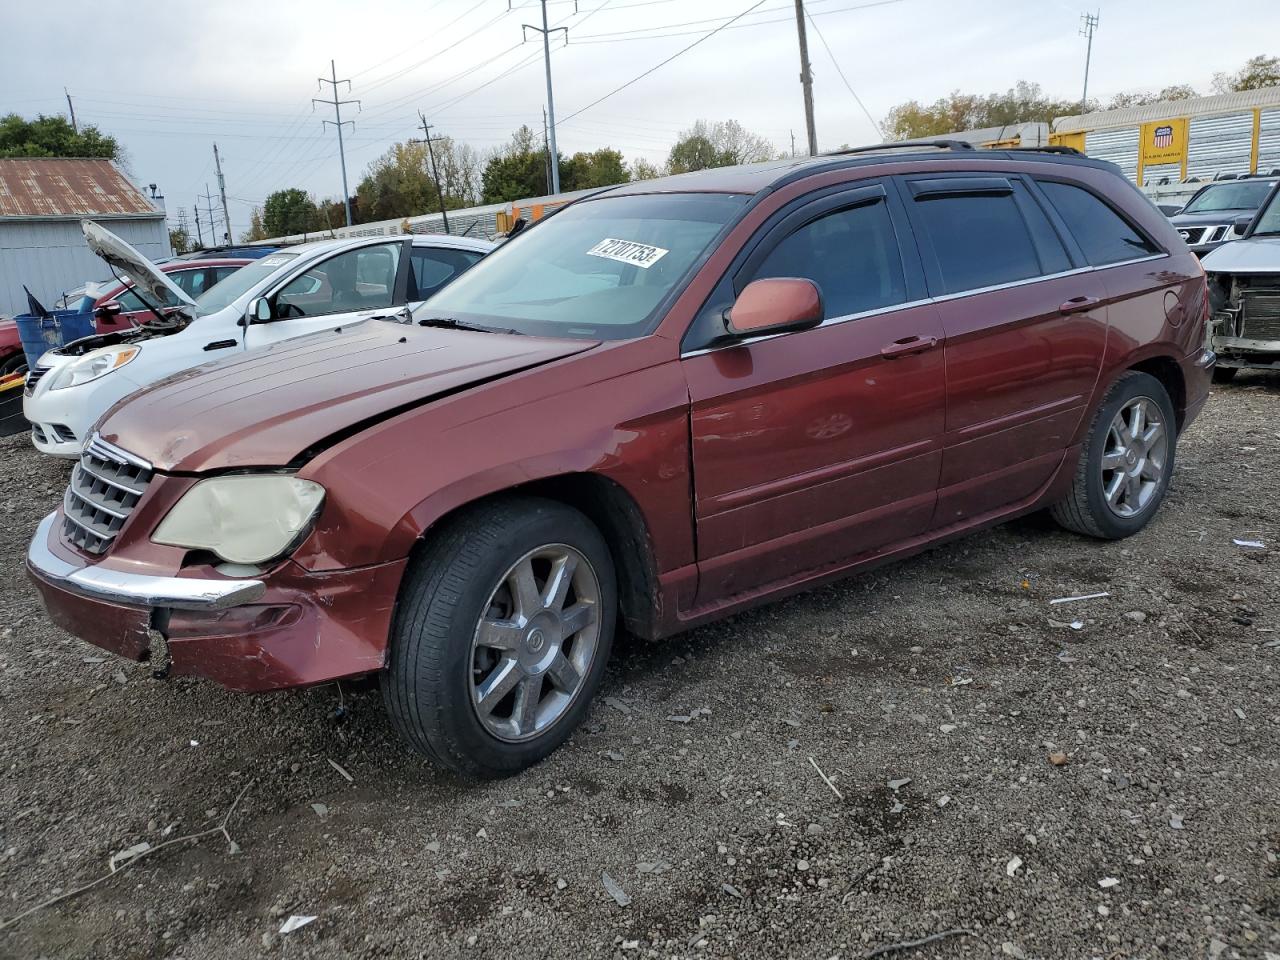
93, 365
243, 518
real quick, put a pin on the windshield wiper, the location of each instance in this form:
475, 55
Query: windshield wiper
449, 323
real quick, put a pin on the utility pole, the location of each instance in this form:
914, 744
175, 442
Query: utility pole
546, 149
222, 190
426, 133
546, 32
72, 108
806, 80
1088, 23
199, 232
213, 230
338, 122
793, 142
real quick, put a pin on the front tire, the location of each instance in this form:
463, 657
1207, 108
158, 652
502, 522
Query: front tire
15, 363
501, 635
1126, 462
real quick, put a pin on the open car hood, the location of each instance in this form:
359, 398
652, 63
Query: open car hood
268, 407
133, 266
1251, 255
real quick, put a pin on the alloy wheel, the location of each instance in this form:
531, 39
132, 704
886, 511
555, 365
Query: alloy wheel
1134, 458
535, 642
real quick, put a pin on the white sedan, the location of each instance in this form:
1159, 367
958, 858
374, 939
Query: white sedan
289, 293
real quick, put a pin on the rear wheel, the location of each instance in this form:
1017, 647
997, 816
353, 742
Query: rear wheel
1126, 461
1224, 374
504, 625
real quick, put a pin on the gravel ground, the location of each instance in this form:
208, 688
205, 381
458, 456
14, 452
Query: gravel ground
935, 695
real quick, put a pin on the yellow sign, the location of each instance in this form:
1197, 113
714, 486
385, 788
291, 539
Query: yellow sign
1163, 141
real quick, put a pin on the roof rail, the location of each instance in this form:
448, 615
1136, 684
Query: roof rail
1047, 148
903, 145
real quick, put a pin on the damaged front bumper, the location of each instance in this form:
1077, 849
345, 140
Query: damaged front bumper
291, 628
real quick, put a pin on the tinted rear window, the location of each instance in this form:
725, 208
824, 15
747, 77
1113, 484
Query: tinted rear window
1103, 235
980, 240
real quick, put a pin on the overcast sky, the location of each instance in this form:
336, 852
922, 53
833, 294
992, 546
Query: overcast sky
169, 79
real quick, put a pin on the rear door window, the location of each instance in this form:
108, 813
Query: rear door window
1103, 235
433, 267
980, 238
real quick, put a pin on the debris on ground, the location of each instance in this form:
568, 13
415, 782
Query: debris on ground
1086, 596
619, 895
295, 922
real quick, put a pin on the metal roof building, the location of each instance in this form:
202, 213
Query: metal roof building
42, 201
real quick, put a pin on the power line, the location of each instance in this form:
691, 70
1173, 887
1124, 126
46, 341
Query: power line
836, 63
622, 36
658, 66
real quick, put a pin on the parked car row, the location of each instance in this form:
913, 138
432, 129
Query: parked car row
1221, 211
668, 402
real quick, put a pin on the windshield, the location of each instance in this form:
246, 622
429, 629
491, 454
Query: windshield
599, 268
1268, 221
1240, 195
223, 294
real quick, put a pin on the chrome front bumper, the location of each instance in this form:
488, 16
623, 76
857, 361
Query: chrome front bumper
134, 589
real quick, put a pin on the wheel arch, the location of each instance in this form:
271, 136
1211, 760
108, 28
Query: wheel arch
1167, 370
618, 517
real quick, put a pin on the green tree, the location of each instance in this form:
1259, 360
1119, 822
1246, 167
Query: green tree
331, 214
1136, 98
257, 229
643, 169
516, 170
1258, 72
287, 212
1023, 103
600, 168
721, 144
53, 137
400, 183
180, 240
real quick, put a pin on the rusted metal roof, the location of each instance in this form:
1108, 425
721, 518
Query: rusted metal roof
63, 188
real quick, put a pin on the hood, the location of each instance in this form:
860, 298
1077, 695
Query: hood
1213, 218
132, 265
1251, 255
269, 406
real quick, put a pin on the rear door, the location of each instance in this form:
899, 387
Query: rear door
361, 282
815, 447
1025, 323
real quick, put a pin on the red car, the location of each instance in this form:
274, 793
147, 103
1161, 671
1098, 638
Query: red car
666, 403
120, 307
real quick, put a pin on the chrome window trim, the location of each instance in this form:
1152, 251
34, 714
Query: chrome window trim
832, 321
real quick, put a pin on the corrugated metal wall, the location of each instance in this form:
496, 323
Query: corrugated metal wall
1118, 146
1269, 141
1153, 173
1220, 145
50, 256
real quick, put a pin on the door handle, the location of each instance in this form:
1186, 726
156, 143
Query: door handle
907, 346
1079, 305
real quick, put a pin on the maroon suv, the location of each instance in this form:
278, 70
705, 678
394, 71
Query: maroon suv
663, 404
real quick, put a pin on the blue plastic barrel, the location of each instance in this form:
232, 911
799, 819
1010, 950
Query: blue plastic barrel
41, 334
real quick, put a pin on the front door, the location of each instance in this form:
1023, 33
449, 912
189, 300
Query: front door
364, 282
1025, 324
815, 447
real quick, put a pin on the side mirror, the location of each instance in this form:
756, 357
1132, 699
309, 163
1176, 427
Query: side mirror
775, 305
260, 310
1242, 225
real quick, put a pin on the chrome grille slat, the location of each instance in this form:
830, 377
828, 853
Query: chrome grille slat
33, 377
105, 487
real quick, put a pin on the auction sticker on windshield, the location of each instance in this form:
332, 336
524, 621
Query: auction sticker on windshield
628, 251
275, 261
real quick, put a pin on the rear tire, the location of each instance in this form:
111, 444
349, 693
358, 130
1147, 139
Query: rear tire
16, 363
501, 634
1125, 463
1224, 374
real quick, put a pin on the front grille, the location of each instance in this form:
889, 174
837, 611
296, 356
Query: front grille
105, 486
33, 377
37, 434
1260, 313
63, 432
1191, 234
